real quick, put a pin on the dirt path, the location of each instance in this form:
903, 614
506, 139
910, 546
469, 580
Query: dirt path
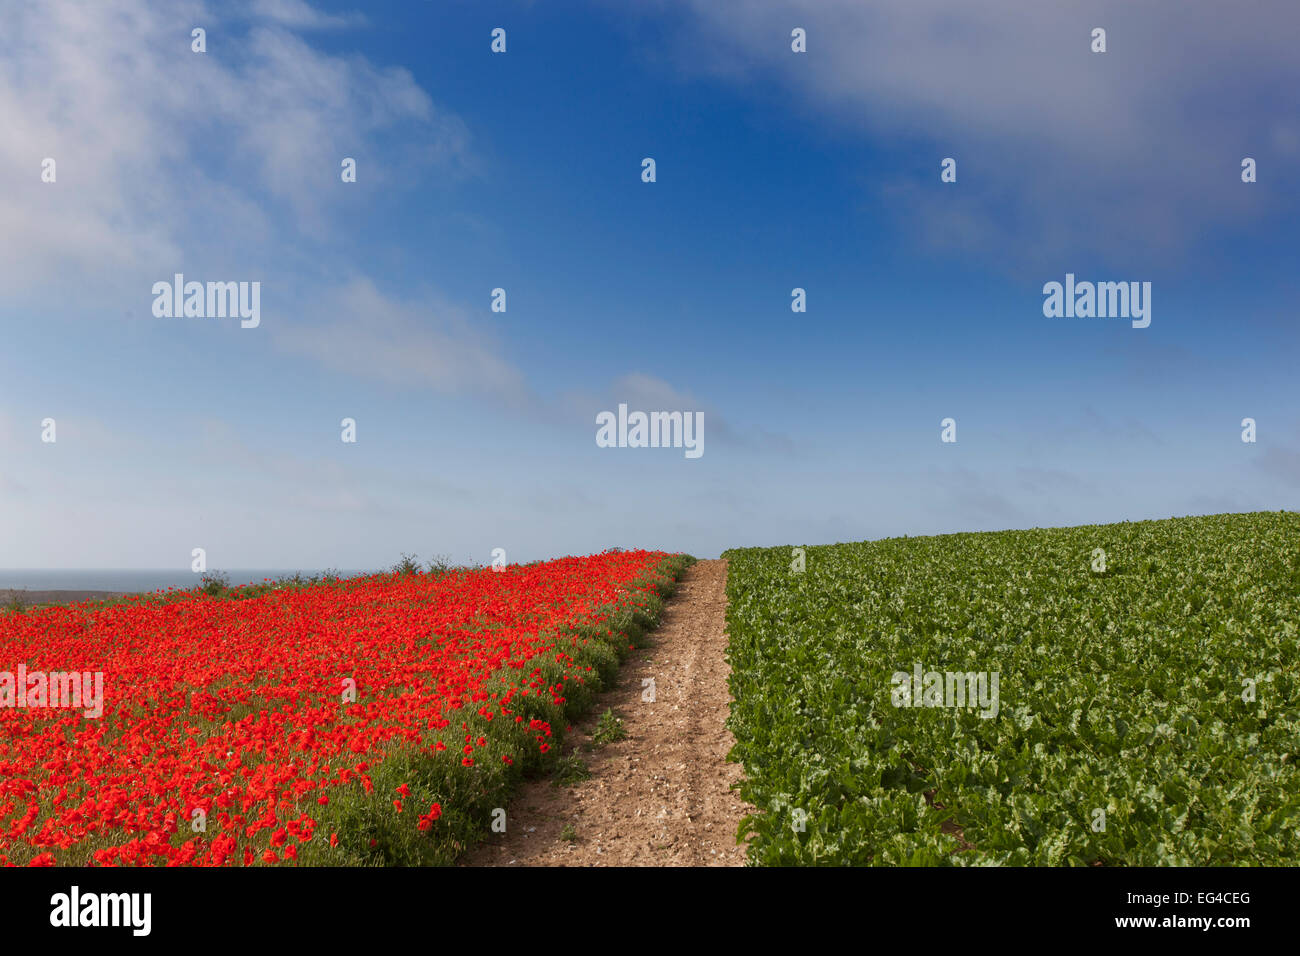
661, 796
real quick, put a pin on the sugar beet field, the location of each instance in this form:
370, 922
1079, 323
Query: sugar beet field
1145, 707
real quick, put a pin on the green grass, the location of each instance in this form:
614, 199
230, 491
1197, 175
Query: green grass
570, 769
609, 727
1145, 713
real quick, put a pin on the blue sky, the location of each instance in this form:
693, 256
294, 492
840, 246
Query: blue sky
521, 170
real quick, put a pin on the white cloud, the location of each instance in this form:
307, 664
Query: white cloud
162, 152
422, 343
641, 391
221, 165
1058, 149
299, 16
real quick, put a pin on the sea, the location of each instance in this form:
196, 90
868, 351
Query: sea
134, 580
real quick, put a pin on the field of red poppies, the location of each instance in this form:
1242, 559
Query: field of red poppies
370, 721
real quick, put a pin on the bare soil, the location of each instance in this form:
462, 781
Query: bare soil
661, 796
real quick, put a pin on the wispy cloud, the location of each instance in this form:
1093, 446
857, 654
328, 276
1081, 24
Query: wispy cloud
645, 392
224, 164
975, 497
1059, 150
1282, 462
423, 343
298, 15
164, 154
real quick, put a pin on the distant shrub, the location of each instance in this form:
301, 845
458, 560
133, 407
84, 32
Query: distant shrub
441, 564
214, 584
408, 565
